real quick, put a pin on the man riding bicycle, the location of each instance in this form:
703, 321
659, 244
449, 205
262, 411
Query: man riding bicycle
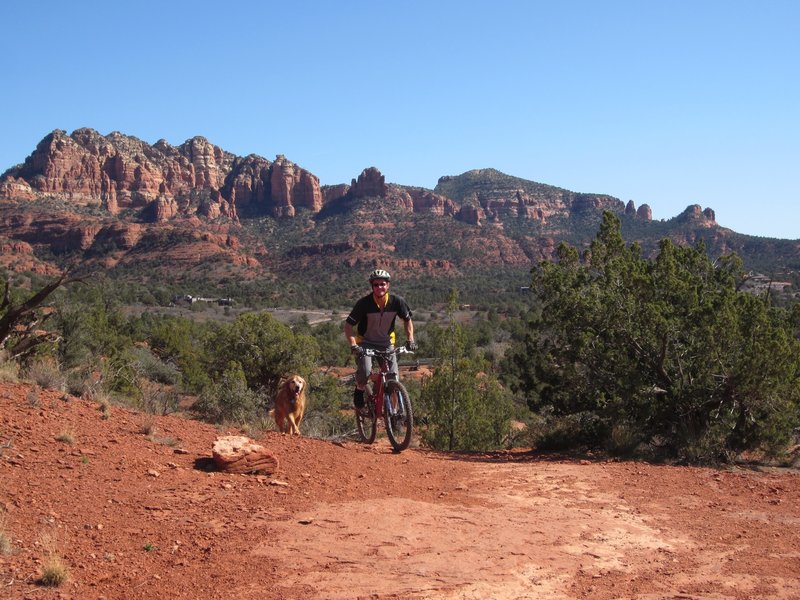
373, 316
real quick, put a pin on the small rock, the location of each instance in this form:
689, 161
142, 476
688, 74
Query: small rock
239, 454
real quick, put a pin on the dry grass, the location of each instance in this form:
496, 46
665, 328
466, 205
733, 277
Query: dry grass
54, 571
164, 440
9, 371
33, 397
104, 406
46, 374
6, 547
147, 426
66, 436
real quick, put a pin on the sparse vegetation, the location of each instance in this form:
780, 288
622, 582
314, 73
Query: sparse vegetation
147, 425
104, 406
6, 547
461, 406
230, 399
46, 374
486, 350
54, 570
66, 436
5, 445
33, 397
9, 371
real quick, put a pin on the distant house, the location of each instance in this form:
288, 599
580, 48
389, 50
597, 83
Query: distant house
757, 283
189, 299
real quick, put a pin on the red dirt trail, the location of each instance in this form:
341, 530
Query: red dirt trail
146, 516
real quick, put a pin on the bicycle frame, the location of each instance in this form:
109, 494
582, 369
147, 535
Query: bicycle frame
388, 400
378, 378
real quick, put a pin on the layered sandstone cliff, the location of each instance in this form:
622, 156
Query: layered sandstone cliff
186, 210
489, 195
120, 173
372, 184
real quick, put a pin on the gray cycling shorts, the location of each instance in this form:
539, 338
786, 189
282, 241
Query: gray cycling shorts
364, 365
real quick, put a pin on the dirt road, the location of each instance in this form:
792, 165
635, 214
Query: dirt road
137, 512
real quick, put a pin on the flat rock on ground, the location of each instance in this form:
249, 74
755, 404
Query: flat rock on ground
240, 454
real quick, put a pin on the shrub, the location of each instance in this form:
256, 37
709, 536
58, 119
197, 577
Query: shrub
9, 371
54, 571
66, 436
324, 416
461, 407
147, 426
229, 400
158, 399
669, 347
151, 367
46, 374
563, 432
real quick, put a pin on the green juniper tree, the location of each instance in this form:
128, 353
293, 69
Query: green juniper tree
462, 407
664, 349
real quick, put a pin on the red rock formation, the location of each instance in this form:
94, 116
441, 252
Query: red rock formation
502, 196
164, 208
17, 188
19, 256
425, 201
248, 187
124, 236
471, 214
334, 192
694, 212
369, 184
292, 186
644, 212
121, 172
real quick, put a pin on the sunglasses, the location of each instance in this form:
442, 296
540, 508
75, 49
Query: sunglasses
380, 283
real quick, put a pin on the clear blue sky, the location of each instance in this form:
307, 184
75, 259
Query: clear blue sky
666, 103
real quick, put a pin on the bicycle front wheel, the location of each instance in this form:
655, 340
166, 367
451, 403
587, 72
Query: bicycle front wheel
367, 422
397, 415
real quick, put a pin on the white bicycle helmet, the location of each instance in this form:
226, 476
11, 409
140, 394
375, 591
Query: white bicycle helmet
379, 274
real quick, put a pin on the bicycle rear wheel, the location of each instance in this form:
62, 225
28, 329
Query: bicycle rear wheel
397, 415
367, 422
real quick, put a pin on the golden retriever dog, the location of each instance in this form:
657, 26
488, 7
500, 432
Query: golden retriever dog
290, 404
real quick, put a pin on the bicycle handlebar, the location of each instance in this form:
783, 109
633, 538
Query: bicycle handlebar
386, 353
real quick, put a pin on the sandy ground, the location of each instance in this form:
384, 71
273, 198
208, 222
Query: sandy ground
138, 515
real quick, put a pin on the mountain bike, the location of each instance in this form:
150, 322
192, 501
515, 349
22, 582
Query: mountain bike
387, 398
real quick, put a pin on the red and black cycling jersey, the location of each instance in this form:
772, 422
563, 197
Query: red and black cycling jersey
375, 325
